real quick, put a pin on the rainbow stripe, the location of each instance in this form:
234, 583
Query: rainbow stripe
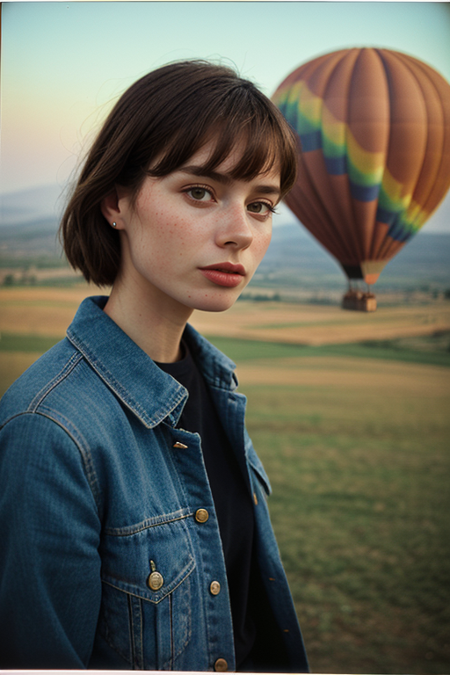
367, 115
369, 179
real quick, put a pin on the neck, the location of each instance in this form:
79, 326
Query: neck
153, 321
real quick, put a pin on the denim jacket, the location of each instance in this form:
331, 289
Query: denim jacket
109, 537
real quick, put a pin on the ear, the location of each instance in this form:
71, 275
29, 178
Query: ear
114, 207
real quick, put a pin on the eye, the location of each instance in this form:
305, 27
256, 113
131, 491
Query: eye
200, 194
263, 208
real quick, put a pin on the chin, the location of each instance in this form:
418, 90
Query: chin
213, 303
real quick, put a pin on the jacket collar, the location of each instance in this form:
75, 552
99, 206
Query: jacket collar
151, 394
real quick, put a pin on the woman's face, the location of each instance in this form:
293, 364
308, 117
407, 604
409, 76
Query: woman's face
195, 239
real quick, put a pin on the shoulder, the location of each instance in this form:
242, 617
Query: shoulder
53, 388
45, 421
43, 375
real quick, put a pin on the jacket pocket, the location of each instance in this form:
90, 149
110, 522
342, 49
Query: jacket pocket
146, 600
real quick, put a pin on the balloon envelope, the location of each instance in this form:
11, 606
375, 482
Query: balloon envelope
374, 133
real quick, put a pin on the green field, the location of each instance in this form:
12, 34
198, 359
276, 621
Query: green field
418, 350
356, 445
360, 505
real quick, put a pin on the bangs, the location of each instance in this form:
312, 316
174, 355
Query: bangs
247, 118
155, 128
261, 151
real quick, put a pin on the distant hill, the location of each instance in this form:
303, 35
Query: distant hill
295, 257
30, 218
16, 208
27, 242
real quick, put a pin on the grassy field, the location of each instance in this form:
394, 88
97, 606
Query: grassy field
358, 455
321, 325
355, 439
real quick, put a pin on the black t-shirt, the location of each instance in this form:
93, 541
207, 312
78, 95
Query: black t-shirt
231, 493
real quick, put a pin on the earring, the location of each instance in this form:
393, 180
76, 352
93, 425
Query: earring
114, 224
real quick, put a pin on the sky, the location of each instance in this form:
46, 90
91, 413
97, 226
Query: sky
65, 63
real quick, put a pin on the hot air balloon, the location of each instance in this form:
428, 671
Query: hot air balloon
374, 144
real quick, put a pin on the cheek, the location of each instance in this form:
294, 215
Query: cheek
152, 231
261, 245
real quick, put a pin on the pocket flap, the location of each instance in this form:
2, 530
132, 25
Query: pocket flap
128, 560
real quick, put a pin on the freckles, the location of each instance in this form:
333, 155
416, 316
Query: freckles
261, 248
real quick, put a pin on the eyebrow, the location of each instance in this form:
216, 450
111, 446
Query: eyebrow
225, 179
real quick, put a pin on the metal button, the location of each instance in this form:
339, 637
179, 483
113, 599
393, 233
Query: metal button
215, 588
220, 666
155, 581
179, 445
201, 515
255, 499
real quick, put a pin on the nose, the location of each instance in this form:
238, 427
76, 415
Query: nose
234, 230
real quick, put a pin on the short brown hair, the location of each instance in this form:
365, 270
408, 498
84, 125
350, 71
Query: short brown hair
170, 114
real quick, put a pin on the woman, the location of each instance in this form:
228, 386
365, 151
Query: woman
134, 527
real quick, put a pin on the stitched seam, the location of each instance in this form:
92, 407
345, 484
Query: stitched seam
262, 482
85, 456
175, 653
174, 460
218, 381
171, 632
131, 631
40, 396
77, 437
141, 635
145, 525
110, 380
105, 636
135, 595
189, 633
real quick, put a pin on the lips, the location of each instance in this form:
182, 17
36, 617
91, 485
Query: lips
224, 274
227, 267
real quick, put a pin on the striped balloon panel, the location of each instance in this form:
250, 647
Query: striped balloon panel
374, 129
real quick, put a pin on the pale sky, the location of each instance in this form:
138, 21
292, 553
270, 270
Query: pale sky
64, 63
